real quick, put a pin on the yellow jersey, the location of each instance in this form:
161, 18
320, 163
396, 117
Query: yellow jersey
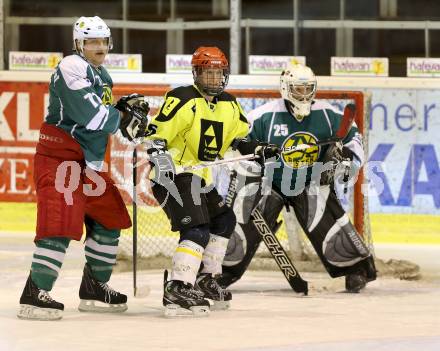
195, 129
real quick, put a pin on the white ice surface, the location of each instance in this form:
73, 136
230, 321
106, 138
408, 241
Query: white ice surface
390, 315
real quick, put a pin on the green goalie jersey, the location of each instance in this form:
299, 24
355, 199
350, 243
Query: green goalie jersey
272, 123
197, 130
79, 103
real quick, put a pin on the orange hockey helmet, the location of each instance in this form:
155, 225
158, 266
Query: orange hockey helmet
210, 70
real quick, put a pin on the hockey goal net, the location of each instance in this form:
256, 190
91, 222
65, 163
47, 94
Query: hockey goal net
154, 238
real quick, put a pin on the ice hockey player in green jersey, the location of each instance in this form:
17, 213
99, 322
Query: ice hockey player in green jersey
298, 182
72, 184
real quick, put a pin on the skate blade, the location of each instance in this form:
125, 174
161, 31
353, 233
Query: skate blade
220, 305
101, 307
38, 313
172, 311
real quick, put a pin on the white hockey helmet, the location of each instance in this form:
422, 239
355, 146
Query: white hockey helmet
298, 87
90, 28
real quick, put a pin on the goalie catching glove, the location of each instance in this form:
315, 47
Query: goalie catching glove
135, 116
342, 162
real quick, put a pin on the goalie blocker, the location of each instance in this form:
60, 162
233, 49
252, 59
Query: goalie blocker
338, 245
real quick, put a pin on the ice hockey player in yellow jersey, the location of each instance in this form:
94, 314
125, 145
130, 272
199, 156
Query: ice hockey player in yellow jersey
197, 123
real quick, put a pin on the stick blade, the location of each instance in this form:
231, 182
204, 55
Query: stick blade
299, 285
347, 121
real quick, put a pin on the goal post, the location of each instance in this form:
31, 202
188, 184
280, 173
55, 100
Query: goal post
154, 237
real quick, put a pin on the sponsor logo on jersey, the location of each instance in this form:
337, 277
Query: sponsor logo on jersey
211, 139
107, 96
300, 158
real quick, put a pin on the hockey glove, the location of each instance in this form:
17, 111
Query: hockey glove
261, 150
265, 151
135, 116
162, 162
341, 159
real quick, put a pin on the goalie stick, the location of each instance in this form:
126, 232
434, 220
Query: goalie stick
344, 129
346, 122
270, 240
277, 251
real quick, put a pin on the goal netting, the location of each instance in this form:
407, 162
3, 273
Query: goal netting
155, 241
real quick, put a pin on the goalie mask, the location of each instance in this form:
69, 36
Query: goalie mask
210, 70
298, 88
92, 34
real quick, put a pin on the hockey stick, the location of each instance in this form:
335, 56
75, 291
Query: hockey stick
344, 129
218, 162
341, 133
270, 240
134, 222
347, 121
283, 261
250, 156
138, 291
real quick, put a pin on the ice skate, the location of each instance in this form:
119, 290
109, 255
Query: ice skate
208, 285
181, 299
36, 304
355, 282
99, 297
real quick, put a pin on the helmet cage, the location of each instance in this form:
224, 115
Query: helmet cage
210, 69
208, 79
301, 91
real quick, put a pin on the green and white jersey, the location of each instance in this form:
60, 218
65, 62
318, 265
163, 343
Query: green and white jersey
272, 123
79, 103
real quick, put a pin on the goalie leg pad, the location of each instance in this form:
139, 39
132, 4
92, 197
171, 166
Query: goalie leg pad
329, 230
245, 240
241, 249
342, 246
244, 190
273, 205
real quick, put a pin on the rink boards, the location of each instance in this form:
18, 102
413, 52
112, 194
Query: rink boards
386, 228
